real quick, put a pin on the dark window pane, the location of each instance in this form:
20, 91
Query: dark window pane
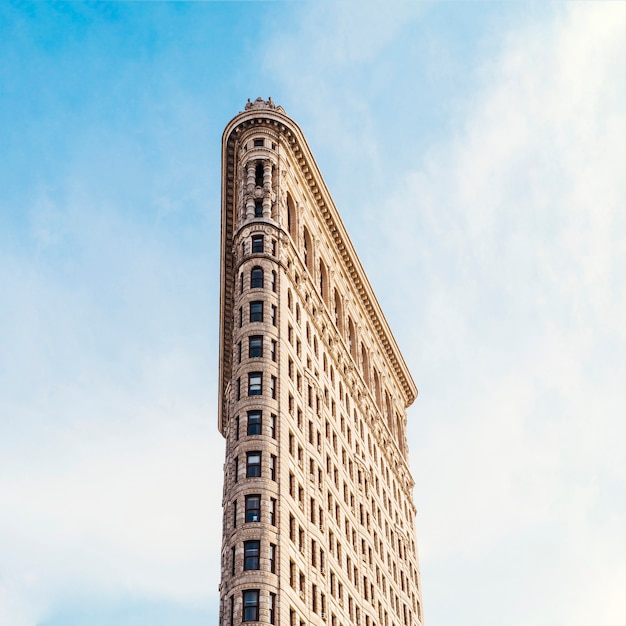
251, 605
257, 243
256, 311
255, 346
256, 278
254, 422
251, 551
253, 508
253, 469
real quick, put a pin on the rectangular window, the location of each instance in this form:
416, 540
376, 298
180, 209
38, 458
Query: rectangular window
240, 317
237, 427
257, 243
253, 508
274, 247
273, 511
238, 389
251, 550
255, 346
255, 422
232, 560
273, 349
253, 466
273, 467
258, 208
256, 311
255, 383
272, 608
234, 513
259, 143
273, 426
273, 558
251, 605
236, 468
273, 386
273, 318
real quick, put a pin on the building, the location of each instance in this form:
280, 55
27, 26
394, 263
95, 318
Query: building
318, 522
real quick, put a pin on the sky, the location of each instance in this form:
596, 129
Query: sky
476, 153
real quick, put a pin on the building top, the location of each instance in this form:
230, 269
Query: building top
267, 114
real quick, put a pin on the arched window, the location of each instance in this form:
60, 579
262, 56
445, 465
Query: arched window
365, 364
323, 282
256, 278
307, 247
291, 216
258, 174
352, 338
390, 420
297, 313
377, 388
338, 312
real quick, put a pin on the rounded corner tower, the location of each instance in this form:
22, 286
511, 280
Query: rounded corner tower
318, 515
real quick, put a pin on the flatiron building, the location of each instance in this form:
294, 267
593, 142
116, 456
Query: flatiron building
318, 514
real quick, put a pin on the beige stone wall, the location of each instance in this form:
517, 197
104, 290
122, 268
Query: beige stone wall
335, 489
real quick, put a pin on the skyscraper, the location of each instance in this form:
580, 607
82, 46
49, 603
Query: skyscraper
318, 520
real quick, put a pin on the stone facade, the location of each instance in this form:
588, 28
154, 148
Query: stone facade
318, 519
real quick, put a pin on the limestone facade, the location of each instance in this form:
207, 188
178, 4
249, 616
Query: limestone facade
318, 516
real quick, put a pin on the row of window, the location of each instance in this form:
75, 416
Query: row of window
256, 310
252, 512
254, 424
252, 556
256, 344
251, 604
257, 279
255, 385
253, 465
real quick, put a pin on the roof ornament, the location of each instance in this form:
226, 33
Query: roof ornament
259, 103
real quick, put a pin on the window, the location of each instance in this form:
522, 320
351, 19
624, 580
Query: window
272, 608
273, 318
232, 560
273, 467
250, 605
255, 346
273, 511
240, 317
236, 468
273, 426
258, 143
253, 464
273, 386
253, 508
273, 558
274, 281
258, 208
256, 311
237, 427
251, 551
234, 513
254, 422
255, 383
256, 278
257, 243
272, 350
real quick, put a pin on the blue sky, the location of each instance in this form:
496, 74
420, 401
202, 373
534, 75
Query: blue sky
493, 132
